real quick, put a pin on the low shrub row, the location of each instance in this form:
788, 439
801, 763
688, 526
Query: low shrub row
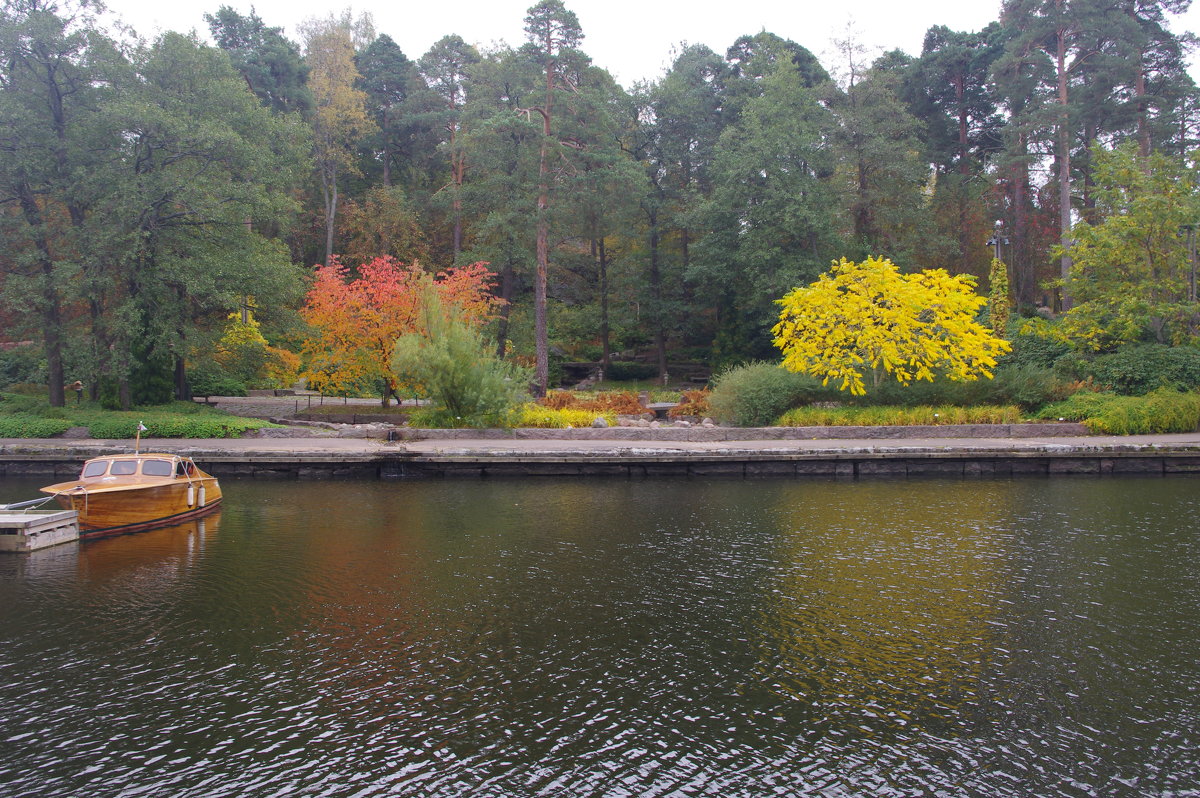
756, 394
25, 425
23, 416
535, 415
898, 416
614, 402
1161, 411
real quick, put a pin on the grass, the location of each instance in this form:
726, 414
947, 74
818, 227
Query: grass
23, 416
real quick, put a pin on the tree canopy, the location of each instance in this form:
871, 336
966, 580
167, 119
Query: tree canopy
867, 319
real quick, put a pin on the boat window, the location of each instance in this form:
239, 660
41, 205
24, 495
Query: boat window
157, 468
95, 469
122, 468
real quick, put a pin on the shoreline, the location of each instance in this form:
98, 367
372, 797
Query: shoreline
667, 452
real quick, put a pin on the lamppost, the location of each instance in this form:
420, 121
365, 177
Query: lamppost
998, 238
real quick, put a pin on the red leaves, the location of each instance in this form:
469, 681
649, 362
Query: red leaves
357, 319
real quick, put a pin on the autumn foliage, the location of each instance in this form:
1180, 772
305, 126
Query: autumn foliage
869, 319
357, 319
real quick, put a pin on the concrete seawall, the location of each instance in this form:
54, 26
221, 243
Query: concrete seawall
583, 453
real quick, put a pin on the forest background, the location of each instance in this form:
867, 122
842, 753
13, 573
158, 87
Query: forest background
150, 190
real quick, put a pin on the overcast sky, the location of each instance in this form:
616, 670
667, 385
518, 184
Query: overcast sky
632, 39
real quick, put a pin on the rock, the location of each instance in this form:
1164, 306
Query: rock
285, 432
599, 422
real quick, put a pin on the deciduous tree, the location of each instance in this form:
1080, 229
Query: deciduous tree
1132, 272
357, 320
339, 116
867, 318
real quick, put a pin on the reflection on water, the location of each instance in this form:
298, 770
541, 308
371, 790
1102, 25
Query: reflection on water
1023, 637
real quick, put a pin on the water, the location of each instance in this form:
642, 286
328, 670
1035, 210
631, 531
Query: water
612, 638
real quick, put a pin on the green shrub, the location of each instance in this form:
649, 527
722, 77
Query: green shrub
756, 394
1028, 385
466, 384
24, 417
213, 381
22, 403
22, 364
628, 371
168, 426
1029, 349
24, 425
1137, 370
1161, 411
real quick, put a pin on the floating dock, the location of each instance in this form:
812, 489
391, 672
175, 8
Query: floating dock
33, 530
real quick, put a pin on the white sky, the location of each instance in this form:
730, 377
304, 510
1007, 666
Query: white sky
632, 39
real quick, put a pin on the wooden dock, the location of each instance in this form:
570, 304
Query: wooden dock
33, 530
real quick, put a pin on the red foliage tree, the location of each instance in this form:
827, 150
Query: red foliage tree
356, 320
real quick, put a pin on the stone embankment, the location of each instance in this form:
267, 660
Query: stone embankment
323, 450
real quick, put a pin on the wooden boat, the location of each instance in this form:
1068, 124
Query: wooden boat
122, 493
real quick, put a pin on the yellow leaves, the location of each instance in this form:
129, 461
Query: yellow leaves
914, 326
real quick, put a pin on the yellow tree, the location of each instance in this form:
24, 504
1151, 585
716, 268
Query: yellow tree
868, 317
339, 116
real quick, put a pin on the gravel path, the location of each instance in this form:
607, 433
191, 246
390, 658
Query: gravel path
285, 406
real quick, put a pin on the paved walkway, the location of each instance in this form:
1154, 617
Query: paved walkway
372, 447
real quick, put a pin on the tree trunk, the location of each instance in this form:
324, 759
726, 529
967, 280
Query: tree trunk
507, 281
183, 391
1024, 276
964, 168
660, 342
541, 332
1064, 169
601, 254
50, 302
330, 190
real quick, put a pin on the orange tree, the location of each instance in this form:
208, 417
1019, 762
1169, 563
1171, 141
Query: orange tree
356, 320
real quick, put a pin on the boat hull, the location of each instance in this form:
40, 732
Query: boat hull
110, 504
103, 517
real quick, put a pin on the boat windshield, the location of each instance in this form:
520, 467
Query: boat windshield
94, 469
157, 468
123, 468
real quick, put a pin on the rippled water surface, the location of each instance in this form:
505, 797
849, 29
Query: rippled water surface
597, 638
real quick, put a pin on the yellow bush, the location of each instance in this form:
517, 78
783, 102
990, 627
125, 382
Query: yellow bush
535, 415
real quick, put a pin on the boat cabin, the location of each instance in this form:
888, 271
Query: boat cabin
153, 465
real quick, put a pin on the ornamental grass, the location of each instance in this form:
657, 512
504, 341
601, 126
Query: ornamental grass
1162, 411
894, 416
542, 417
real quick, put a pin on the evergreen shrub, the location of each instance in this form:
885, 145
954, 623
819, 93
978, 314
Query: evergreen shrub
1027, 385
627, 371
26, 425
109, 426
1030, 349
756, 394
211, 380
1137, 370
22, 364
